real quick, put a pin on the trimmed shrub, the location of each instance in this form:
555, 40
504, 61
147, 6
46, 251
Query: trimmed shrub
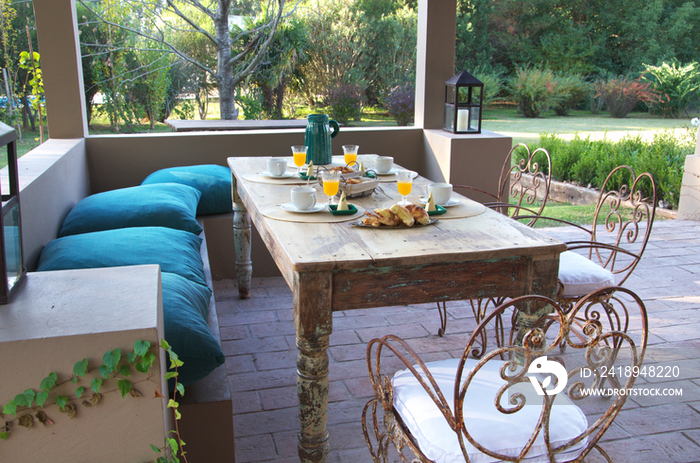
400, 102
588, 162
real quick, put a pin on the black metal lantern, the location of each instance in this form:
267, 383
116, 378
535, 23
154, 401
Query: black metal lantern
11, 259
464, 97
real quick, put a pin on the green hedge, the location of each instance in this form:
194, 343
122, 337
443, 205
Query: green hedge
587, 162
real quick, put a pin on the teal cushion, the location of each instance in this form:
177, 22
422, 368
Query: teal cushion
176, 251
185, 310
213, 181
164, 205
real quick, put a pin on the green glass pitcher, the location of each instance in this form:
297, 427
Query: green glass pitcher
318, 138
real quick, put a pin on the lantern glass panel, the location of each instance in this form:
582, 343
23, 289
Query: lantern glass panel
13, 247
474, 118
450, 95
449, 117
463, 119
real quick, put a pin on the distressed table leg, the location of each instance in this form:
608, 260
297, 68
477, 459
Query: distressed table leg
241, 243
313, 322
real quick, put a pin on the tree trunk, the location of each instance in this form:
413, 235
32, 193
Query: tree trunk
224, 78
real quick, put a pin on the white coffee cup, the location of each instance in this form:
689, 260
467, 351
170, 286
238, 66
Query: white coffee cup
303, 197
383, 164
277, 166
442, 192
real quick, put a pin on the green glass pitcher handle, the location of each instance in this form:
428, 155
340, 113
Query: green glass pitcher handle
335, 126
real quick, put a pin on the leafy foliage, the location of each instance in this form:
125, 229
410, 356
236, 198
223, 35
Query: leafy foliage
570, 91
400, 102
622, 95
588, 162
533, 90
346, 102
677, 86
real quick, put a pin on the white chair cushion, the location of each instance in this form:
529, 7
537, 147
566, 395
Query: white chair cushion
581, 276
506, 434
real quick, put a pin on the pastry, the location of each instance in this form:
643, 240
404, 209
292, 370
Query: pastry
419, 214
388, 218
404, 214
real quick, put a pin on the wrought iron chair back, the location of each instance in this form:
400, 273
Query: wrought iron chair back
515, 361
627, 213
523, 187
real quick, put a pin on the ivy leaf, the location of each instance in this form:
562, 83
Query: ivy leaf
131, 357
180, 388
173, 445
173, 404
171, 374
80, 368
148, 359
10, 408
80, 391
49, 382
61, 401
105, 371
141, 367
26, 420
29, 395
111, 358
155, 449
124, 370
41, 398
95, 385
124, 386
164, 344
4, 435
21, 400
141, 347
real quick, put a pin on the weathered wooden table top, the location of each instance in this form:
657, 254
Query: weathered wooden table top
307, 247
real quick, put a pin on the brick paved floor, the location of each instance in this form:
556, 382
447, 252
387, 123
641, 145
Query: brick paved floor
258, 340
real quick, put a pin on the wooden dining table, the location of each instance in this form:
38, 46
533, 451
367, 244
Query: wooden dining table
334, 266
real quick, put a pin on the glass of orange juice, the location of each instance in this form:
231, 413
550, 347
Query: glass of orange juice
404, 184
350, 152
299, 153
331, 184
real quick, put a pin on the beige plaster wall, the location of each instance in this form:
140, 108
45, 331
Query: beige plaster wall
55, 320
53, 178
117, 161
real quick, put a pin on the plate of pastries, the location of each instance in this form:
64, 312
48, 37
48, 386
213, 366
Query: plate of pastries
396, 217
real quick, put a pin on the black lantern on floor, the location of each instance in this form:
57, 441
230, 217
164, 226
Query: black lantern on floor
11, 259
464, 97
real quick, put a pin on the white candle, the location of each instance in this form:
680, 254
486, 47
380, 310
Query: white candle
462, 120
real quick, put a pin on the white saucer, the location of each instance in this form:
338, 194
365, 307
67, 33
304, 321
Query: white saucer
391, 172
289, 207
284, 175
395, 172
450, 203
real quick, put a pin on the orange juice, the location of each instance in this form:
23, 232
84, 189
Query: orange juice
330, 187
350, 157
299, 158
404, 188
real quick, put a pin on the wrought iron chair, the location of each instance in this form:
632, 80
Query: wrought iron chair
516, 402
523, 189
616, 240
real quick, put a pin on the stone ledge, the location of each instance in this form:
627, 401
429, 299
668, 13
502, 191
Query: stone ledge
563, 192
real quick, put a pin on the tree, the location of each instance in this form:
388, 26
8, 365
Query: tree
162, 22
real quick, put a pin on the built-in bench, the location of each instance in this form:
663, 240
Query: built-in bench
53, 179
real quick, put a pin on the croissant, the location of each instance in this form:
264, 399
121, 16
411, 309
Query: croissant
387, 217
404, 214
419, 214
